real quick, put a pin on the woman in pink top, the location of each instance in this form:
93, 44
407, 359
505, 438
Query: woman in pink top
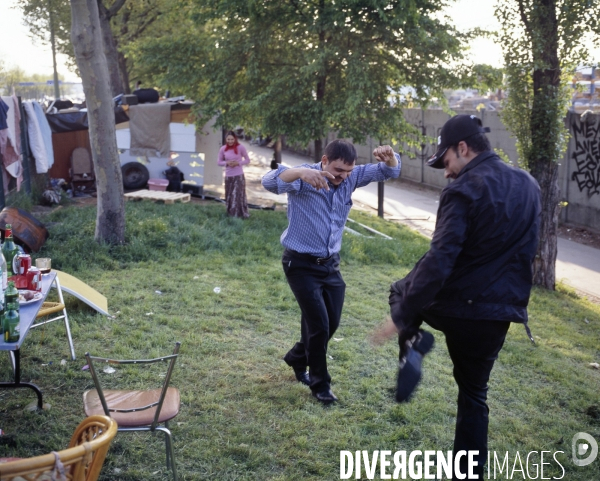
233, 156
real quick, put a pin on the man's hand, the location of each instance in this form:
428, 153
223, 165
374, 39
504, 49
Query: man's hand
383, 332
385, 154
316, 178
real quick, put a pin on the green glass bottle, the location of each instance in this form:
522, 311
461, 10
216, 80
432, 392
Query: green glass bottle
2, 298
2, 318
9, 249
11, 296
12, 325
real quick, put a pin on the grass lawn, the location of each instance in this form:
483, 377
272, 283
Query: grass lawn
243, 415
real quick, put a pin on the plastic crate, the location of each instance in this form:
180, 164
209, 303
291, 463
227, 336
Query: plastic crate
158, 184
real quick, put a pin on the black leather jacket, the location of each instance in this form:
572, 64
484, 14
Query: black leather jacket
479, 265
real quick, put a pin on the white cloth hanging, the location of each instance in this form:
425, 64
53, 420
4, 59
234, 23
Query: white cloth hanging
36, 139
46, 133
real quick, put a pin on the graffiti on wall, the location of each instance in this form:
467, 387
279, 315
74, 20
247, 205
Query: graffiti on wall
586, 155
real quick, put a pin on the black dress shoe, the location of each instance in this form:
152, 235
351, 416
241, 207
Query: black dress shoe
302, 376
409, 372
326, 396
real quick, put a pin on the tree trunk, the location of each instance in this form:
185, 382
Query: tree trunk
87, 42
320, 90
277, 153
544, 272
318, 149
124, 73
546, 118
319, 141
110, 50
123, 33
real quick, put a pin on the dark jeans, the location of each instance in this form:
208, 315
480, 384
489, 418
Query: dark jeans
473, 346
319, 290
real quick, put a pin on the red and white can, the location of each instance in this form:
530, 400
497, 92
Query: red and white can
34, 279
21, 264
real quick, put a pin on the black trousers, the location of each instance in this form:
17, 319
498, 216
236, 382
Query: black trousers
473, 346
319, 290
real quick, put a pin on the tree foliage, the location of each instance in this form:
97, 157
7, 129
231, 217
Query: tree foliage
36, 16
122, 22
304, 67
482, 77
543, 41
10, 78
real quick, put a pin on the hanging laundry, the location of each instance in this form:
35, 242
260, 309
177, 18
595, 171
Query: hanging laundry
46, 132
3, 114
36, 139
10, 142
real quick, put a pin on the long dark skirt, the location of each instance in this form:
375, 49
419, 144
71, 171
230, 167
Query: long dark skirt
235, 196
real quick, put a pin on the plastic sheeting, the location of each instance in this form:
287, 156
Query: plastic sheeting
72, 121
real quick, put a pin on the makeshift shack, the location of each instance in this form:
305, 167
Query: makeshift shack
159, 142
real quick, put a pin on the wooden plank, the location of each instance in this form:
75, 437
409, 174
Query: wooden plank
156, 195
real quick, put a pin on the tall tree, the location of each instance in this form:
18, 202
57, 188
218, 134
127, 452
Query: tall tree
304, 67
543, 41
136, 20
120, 20
87, 41
38, 16
110, 44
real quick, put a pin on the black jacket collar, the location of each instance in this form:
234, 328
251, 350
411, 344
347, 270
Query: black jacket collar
483, 156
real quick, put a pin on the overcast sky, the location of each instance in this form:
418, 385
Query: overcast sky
17, 49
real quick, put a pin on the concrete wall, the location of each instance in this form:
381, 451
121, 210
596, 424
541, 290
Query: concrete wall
579, 171
430, 122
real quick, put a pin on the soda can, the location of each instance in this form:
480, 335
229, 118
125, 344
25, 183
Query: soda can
34, 279
21, 264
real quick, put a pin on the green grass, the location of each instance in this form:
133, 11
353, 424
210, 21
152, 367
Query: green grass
243, 415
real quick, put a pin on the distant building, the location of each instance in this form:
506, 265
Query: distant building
586, 85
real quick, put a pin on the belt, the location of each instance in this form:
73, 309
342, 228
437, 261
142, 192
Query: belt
309, 257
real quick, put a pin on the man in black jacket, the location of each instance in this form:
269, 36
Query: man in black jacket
476, 277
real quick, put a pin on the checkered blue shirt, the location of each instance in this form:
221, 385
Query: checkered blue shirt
316, 218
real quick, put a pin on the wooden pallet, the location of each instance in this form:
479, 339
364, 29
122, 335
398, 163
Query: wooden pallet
156, 195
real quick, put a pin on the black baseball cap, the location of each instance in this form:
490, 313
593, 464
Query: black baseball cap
456, 129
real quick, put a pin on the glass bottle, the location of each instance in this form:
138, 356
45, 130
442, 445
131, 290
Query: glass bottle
3, 286
2, 317
4, 274
9, 249
11, 296
12, 326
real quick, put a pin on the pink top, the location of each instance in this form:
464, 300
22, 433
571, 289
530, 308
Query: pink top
241, 157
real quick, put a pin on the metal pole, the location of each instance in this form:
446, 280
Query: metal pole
380, 199
423, 132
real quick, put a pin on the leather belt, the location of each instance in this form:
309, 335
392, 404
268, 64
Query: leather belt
309, 257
